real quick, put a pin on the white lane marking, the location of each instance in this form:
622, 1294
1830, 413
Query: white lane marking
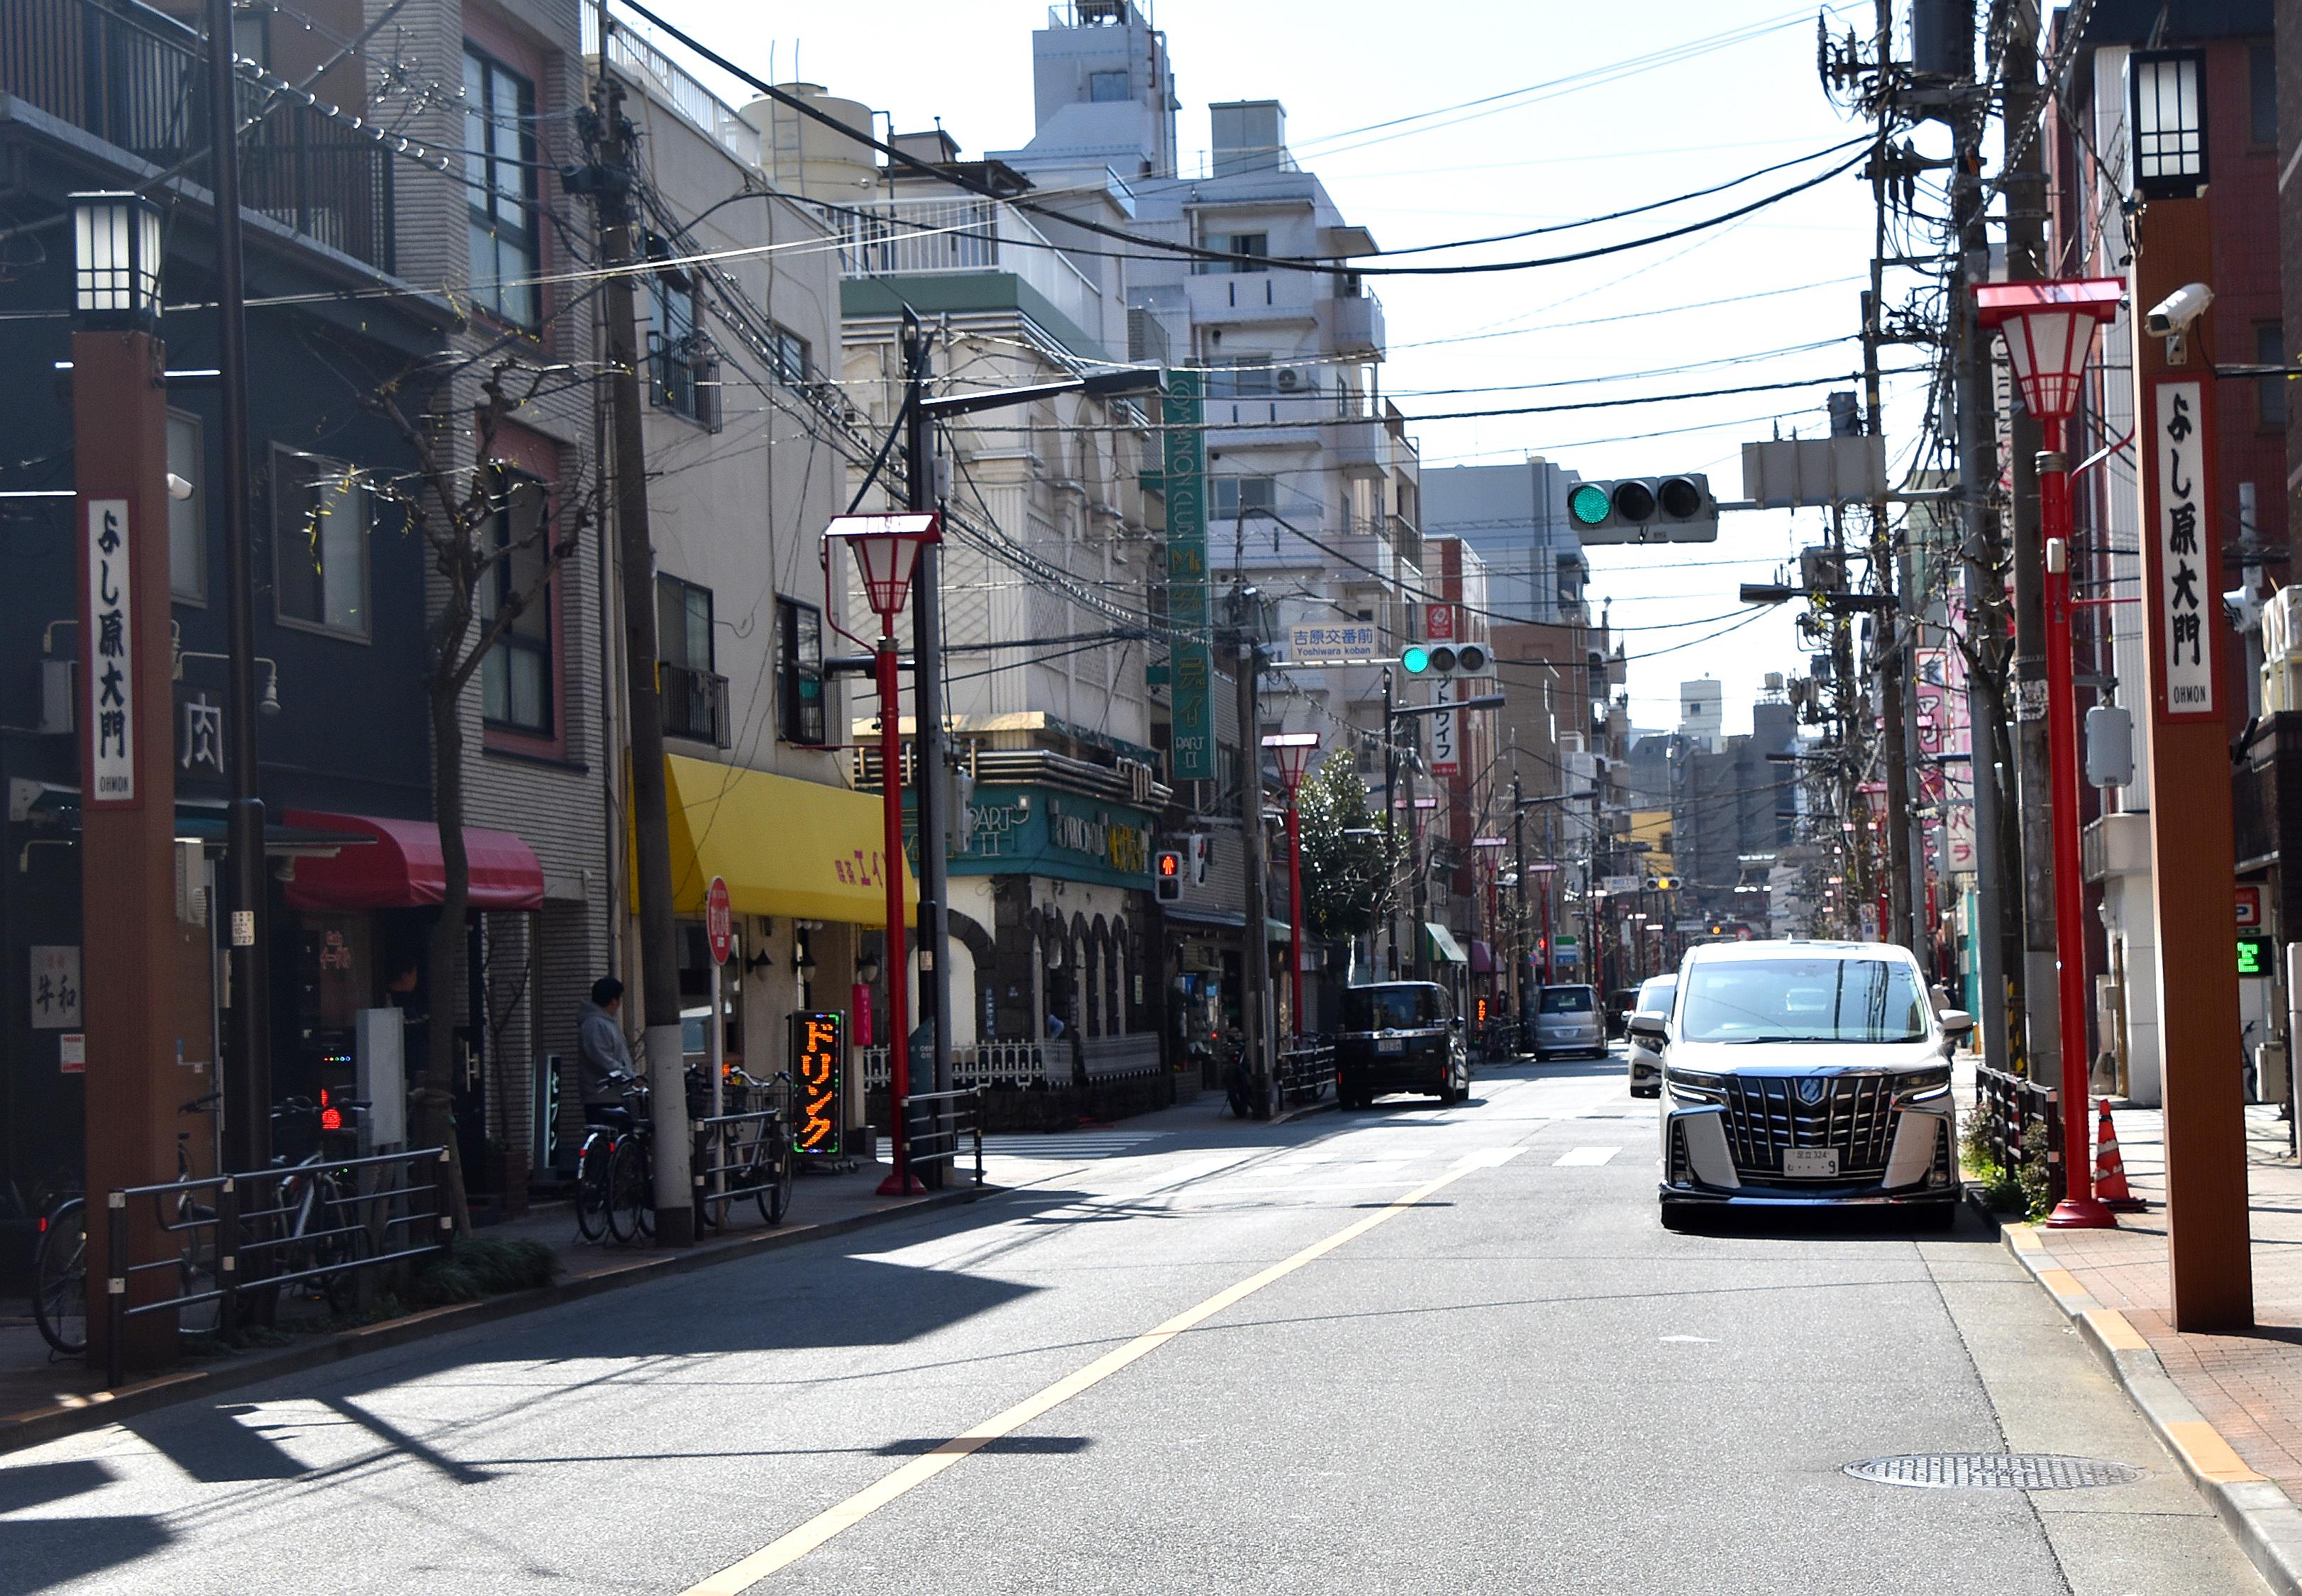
1690, 1340
1490, 1158
1589, 1156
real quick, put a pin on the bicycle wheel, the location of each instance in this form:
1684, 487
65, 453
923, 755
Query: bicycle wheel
775, 1160
591, 1186
60, 1291
710, 1207
629, 1179
197, 1273
342, 1246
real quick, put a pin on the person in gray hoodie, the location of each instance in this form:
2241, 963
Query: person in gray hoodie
600, 1050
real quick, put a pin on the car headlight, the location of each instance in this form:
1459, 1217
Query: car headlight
1696, 1084
1922, 1083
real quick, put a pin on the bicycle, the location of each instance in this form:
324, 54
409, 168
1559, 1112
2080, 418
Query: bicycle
60, 1268
631, 1172
767, 1174
602, 1129
324, 1255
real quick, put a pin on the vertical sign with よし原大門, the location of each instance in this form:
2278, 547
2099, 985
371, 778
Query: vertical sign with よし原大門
110, 678
2185, 644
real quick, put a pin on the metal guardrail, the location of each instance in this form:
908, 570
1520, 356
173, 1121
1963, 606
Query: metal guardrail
2011, 1104
1306, 1065
936, 1124
736, 1153
245, 1226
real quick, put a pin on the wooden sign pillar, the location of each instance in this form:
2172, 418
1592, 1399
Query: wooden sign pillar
128, 814
2208, 1247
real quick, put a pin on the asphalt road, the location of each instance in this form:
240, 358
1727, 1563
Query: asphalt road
1409, 1350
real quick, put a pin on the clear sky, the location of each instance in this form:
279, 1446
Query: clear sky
1603, 106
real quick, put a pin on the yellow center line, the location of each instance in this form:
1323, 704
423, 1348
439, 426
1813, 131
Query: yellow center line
788, 1549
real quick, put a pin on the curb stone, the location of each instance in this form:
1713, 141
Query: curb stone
76, 1414
2259, 1515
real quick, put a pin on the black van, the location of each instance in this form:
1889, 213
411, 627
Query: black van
1399, 1037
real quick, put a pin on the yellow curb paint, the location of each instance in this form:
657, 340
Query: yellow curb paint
2116, 1332
832, 1522
2062, 1283
2207, 1455
2024, 1238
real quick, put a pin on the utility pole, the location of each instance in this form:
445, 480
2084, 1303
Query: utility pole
2024, 181
609, 181
1261, 1067
1978, 467
247, 1022
931, 766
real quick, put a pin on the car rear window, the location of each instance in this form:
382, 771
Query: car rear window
1567, 1000
1391, 1008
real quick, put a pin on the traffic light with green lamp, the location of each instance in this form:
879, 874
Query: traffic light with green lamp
1644, 509
1439, 661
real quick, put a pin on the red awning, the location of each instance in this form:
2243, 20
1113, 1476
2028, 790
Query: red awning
402, 868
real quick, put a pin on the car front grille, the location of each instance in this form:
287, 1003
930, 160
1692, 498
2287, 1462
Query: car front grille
1855, 1114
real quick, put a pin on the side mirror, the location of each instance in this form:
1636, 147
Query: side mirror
1956, 1022
1456, 1023
1649, 1026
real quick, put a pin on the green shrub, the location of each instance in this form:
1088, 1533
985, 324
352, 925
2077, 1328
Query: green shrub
483, 1266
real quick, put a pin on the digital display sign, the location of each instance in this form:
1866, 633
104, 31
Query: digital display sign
2257, 956
818, 1055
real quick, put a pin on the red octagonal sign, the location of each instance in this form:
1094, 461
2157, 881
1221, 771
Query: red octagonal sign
718, 925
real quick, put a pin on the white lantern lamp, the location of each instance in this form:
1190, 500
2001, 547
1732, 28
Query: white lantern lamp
117, 254
2166, 123
887, 553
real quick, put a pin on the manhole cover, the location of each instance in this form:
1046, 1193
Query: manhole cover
1994, 1471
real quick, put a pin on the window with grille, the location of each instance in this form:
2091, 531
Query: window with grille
500, 188
694, 695
799, 672
516, 680
683, 367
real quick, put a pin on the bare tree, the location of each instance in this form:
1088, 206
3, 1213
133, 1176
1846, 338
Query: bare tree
494, 543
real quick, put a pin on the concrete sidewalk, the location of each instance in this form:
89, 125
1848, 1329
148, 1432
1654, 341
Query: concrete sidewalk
2229, 1407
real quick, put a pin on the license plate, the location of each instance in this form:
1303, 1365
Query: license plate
1391, 1045
1811, 1162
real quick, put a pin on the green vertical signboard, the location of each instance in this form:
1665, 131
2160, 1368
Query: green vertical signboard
1191, 674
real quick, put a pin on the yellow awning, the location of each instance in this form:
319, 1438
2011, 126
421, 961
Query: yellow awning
798, 849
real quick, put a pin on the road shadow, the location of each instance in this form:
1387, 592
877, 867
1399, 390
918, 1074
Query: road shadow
1852, 1222
38, 1554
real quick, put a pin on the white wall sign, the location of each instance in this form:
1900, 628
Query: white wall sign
55, 994
2183, 601
109, 672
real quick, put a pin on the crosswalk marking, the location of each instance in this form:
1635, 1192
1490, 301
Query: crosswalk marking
1071, 1146
1590, 1155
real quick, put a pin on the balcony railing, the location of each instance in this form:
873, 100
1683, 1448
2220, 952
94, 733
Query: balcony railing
949, 235
694, 704
138, 80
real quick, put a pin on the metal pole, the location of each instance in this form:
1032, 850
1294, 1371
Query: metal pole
930, 793
2078, 1209
1295, 915
900, 1180
1255, 1001
675, 1197
248, 1033
1519, 926
1390, 825
1421, 963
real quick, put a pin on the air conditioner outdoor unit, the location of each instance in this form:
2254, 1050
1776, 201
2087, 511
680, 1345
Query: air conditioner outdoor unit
1286, 379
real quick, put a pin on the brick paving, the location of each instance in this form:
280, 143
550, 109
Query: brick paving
2248, 1387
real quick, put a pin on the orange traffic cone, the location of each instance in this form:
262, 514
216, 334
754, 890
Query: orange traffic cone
2110, 1169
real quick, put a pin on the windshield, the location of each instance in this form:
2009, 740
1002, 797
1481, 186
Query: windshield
1566, 1000
1656, 994
1803, 1000
1393, 1008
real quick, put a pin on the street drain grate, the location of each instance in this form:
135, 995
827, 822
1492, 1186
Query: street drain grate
1994, 1471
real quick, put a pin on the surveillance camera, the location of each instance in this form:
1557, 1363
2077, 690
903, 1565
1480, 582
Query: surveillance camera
2171, 317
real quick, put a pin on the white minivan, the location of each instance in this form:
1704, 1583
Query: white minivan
1800, 1074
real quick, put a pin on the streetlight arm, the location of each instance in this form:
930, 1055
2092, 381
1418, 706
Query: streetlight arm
1109, 384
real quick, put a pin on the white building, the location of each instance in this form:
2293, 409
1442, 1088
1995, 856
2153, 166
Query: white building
1703, 713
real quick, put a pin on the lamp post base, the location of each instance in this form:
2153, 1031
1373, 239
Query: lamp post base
901, 1183
2081, 1214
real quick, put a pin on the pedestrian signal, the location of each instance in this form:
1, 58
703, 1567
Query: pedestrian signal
1167, 868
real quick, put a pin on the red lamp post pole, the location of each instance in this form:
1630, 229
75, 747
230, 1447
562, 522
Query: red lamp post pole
2078, 1209
900, 1180
1295, 915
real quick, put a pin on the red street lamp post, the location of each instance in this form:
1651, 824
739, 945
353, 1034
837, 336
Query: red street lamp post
1293, 751
886, 551
2049, 328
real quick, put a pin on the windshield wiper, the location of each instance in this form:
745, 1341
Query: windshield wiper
1746, 1041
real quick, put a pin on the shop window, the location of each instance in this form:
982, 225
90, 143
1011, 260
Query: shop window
799, 672
188, 542
321, 514
499, 164
517, 689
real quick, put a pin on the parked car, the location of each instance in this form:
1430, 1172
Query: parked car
1654, 998
1567, 1021
1399, 1037
1803, 1074
1620, 1006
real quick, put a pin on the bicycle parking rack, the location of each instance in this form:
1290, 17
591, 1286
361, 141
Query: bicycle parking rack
1306, 1066
236, 1231
736, 1152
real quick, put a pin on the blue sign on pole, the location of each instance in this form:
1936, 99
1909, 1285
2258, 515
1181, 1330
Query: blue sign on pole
1191, 674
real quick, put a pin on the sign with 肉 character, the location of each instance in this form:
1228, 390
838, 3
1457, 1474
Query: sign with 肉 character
107, 657
2183, 573
818, 1055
